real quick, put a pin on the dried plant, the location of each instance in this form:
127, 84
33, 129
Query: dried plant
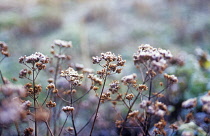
137, 98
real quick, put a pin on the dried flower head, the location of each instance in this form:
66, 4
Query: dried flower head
68, 109
190, 103
50, 104
114, 86
62, 43
95, 79
171, 78
72, 76
133, 114
4, 49
129, 96
28, 131
130, 79
34, 58
157, 57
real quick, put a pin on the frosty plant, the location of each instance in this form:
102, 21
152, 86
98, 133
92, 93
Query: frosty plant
34, 63
74, 91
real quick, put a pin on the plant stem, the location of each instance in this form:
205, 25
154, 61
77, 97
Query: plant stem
17, 128
72, 114
48, 126
63, 124
99, 102
148, 117
34, 97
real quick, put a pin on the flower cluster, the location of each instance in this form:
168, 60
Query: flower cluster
60, 44
206, 103
133, 114
4, 49
157, 57
50, 104
130, 79
160, 128
95, 79
171, 78
190, 103
154, 108
105, 96
29, 89
68, 109
38, 58
112, 64
114, 86
72, 76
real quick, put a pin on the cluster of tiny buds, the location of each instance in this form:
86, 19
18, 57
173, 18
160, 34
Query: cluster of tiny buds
62, 43
133, 114
171, 78
109, 67
29, 88
34, 58
72, 76
50, 86
68, 109
95, 79
28, 131
105, 96
142, 87
156, 108
206, 103
129, 96
24, 72
160, 128
130, 79
119, 123
114, 86
157, 57
50, 104
26, 104
4, 49
190, 103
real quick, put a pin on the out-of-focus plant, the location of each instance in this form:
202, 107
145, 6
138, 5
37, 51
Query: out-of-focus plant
138, 106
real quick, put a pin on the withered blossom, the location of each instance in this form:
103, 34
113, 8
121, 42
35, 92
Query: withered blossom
72, 76
190, 103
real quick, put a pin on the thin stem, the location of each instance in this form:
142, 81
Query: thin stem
63, 124
46, 97
72, 115
17, 128
34, 97
129, 112
2, 59
2, 78
48, 127
54, 97
99, 102
86, 123
148, 117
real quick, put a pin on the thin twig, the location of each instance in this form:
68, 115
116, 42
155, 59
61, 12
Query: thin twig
99, 102
63, 124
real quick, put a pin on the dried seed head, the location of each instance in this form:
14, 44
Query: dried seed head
50, 104
72, 76
190, 103
62, 43
130, 79
28, 131
171, 78
68, 109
